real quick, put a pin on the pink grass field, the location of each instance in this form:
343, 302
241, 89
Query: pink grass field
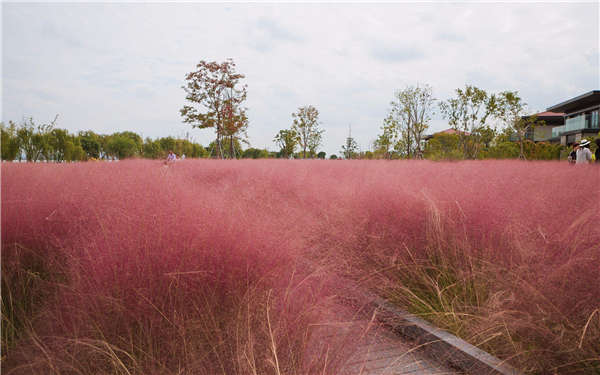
193, 268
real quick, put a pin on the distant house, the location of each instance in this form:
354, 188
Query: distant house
581, 118
542, 131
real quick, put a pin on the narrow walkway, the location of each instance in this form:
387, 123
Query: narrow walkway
387, 354
377, 351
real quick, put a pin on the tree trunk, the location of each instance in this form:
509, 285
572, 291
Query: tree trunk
521, 154
220, 146
408, 156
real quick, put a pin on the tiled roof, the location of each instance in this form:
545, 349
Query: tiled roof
550, 114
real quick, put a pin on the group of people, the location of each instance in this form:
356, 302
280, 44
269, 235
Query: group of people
172, 157
581, 153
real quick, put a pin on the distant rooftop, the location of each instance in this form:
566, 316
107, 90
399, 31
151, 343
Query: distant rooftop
549, 118
550, 114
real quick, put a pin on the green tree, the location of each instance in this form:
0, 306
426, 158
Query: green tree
306, 126
121, 146
321, 155
487, 135
255, 153
73, 149
167, 144
151, 149
104, 140
407, 120
443, 146
90, 142
350, 148
367, 155
10, 141
511, 110
198, 151
216, 95
34, 139
383, 145
184, 147
287, 142
61, 143
467, 113
137, 140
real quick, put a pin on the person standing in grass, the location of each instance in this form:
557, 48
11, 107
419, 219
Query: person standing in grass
573, 154
584, 155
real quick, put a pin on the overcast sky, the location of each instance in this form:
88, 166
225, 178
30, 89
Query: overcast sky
113, 67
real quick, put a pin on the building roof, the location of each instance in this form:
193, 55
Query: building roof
550, 114
550, 118
579, 102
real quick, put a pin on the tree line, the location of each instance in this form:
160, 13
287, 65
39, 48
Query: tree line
31, 141
485, 125
34, 141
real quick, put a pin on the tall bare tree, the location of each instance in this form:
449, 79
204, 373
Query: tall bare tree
216, 97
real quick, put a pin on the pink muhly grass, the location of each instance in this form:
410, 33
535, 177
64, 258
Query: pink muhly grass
505, 254
180, 268
162, 270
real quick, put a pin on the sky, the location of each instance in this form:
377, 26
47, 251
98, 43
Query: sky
116, 66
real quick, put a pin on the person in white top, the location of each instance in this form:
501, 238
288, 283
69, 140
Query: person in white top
584, 155
171, 157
